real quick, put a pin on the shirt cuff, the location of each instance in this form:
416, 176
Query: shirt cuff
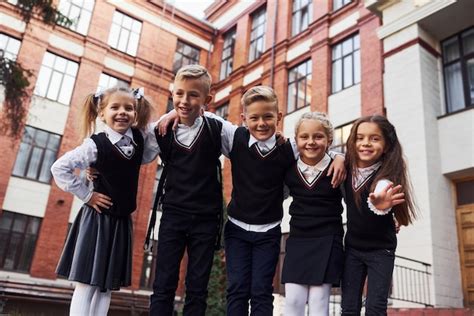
87, 198
376, 210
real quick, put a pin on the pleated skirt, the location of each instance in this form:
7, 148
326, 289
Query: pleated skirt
313, 261
98, 250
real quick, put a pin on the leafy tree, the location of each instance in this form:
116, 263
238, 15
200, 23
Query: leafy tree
13, 77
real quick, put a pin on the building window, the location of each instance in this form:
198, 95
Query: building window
257, 34
223, 110
38, 150
56, 78
18, 234
458, 65
125, 33
227, 54
299, 86
185, 55
346, 64
79, 11
106, 81
337, 4
341, 134
302, 15
9, 47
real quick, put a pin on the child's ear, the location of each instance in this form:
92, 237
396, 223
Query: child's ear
242, 117
279, 116
208, 99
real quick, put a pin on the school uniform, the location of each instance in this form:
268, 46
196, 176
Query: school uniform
314, 251
252, 234
191, 206
370, 244
98, 249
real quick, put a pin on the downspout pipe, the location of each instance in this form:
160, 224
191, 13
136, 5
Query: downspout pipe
272, 69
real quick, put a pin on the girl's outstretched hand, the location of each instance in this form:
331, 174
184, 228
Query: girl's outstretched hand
99, 199
166, 120
338, 171
388, 197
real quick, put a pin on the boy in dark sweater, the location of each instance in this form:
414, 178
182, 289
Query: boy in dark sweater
192, 200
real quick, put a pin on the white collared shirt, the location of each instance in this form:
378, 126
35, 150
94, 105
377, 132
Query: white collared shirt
85, 154
361, 175
311, 172
186, 134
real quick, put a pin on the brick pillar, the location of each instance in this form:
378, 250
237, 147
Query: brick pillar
234, 117
284, 15
241, 45
214, 66
321, 72
371, 65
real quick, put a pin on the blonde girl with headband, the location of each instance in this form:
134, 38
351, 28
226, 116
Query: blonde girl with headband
314, 252
98, 250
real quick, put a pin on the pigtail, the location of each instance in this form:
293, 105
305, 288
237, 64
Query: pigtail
144, 109
90, 111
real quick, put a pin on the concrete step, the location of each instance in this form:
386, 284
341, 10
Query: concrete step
430, 311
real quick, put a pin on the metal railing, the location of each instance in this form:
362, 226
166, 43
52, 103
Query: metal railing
410, 283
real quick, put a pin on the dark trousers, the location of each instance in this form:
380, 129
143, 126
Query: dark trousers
251, 260
177, 232
377, 266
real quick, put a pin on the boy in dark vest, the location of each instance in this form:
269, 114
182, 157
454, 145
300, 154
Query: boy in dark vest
192, 198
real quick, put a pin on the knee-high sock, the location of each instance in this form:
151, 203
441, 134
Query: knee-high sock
81, 299
318, 299
100, 303
295, 300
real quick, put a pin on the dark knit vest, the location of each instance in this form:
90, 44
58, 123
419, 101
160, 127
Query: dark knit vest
192, 184
257, 179
316, 208
365, 229
118, 175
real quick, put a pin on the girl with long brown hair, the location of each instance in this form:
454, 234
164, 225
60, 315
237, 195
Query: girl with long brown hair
378, 194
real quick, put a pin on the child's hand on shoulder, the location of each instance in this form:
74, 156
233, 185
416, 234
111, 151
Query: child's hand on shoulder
166, 120
98, 200
338, 171
91, 174
388, 197
280, 138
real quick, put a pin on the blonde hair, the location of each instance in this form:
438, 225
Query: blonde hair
321, 118
93, 105
259, 93
195, 72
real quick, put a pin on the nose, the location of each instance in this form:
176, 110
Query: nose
261, 122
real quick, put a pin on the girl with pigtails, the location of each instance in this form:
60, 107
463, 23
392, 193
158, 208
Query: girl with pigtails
98, 250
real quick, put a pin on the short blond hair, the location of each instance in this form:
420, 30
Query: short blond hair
195, 72
321, 118
259, 93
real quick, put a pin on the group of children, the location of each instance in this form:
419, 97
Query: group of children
376, 190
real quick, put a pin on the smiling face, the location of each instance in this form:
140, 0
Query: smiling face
261, 118
189, 96
119, 113
370, 144
312, 141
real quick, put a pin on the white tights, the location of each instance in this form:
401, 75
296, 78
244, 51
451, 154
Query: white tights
89, 300
297, 295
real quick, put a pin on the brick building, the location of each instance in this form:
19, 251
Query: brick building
346, 58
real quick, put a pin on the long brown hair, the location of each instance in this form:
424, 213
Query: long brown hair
393, 166
94, 104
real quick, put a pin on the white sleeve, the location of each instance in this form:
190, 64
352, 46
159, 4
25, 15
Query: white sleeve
381, 185
295, 148
79, 158
227, 133
151, 148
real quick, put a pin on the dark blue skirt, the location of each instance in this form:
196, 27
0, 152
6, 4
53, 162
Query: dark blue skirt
313, 261
98, 250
